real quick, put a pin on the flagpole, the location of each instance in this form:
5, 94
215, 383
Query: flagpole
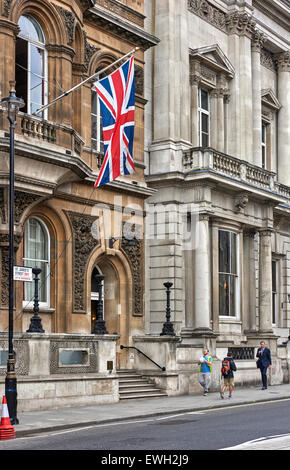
85, 81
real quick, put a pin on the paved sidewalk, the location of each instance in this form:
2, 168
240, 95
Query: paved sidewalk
33, 422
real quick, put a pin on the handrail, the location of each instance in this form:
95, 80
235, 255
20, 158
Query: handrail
133, 347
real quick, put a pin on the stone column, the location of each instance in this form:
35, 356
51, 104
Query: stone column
194, 83
221, 92
171, 90
257, 41
202, 285
283, 63
214, 127
220, 121
265, 282
240, 26
249, 282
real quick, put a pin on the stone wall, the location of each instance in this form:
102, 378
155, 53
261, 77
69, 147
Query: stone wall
62, 370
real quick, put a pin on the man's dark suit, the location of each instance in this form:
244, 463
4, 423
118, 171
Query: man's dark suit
264, 362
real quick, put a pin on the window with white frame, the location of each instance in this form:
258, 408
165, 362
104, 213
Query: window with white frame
37, 255
228, 273
31, 65
274, 292
203, 117
96, 120
264, 146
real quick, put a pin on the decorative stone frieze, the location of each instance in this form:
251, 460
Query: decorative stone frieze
83, 244
208, 12
6, 7
233, 23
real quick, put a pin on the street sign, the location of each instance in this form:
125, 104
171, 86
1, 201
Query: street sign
22, 273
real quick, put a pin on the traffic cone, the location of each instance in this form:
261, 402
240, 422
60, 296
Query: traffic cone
6, 429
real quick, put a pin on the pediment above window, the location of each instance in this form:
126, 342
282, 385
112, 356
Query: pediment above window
210, 63
270, 100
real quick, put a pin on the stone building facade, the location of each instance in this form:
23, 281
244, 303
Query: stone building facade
64, 225
217, 153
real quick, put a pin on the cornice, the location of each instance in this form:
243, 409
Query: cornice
116, 25
238, 21
121, 10
278, 11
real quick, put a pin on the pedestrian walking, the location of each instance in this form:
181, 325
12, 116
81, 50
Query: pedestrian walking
205, 367
264, 362
227, 370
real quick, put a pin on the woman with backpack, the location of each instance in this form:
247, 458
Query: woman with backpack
227, 371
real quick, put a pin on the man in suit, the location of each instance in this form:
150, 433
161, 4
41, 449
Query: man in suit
264, 361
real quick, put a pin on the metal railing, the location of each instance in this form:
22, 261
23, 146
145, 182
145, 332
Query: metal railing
141, 352
242, 353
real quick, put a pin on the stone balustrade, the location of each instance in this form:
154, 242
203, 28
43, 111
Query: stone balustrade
43, 130
198, 158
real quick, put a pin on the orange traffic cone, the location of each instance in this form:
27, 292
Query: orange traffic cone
6, 429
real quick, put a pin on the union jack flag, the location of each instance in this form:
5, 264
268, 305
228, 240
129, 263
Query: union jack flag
116, 94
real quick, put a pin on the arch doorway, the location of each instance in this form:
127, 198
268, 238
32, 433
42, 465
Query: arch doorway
115, 304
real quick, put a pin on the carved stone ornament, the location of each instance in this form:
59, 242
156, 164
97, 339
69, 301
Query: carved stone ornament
241, 201
283, 61
258, 39
83, 244
90, 50
22, 202
240, 23
6, 7
139, 80
3, 206
87, 3
233, 23
69, 20
4, 250
132, 247
208, 12
267, 59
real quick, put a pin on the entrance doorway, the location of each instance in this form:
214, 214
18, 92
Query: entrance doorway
115, 304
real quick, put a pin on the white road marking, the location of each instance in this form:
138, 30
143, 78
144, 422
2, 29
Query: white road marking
278, 442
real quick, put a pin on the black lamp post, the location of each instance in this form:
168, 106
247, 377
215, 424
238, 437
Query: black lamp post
12, 104
35, 321
168, 325
100, 326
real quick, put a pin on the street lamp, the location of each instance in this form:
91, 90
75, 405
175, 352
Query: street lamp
11, 105
100, 325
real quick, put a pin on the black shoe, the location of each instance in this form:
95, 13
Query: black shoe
264, 388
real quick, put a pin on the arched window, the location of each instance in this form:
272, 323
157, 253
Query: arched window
31, 65
37, 254
97, 129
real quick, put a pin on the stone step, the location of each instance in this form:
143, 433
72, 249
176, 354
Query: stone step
143, 396
135, 386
